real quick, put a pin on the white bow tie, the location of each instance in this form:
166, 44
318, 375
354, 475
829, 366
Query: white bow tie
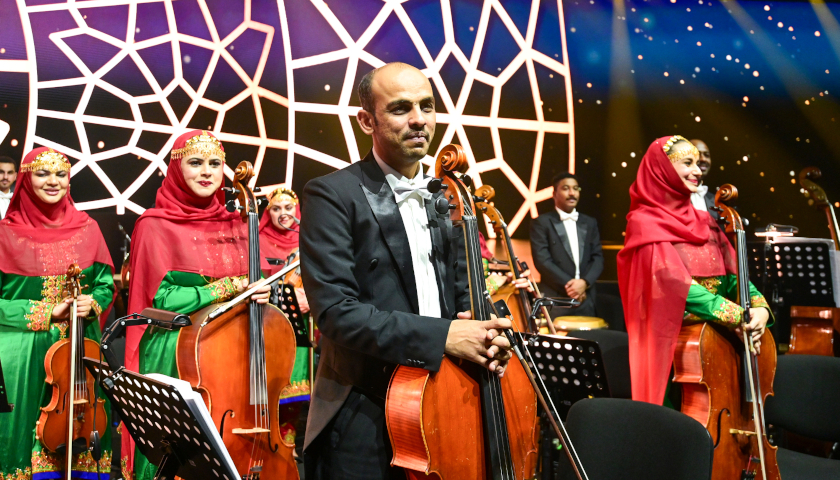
702, 189
7, 196
568, 216
403, 189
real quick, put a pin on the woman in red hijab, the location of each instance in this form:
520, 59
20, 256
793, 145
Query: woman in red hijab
676, 266
40, 237
187, 252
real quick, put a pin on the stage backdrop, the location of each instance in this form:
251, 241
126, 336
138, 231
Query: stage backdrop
112, 83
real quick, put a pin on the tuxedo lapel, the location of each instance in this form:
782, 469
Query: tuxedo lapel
382, 203
581, 234
561, 232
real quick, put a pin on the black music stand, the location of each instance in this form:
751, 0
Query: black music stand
288, 304
5, 406
173, 432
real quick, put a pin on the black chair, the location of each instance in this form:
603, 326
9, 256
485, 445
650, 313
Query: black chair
807, 389
627, 440
615, 350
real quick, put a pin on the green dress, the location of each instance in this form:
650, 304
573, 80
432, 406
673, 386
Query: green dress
26, 334
709, 301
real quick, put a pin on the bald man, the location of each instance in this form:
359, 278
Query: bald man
704, 197
384, 271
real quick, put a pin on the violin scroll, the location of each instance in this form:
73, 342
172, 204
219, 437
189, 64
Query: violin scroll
813, 192
72, 281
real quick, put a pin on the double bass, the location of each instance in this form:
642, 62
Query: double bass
224, 359
463, 421
816, 330
518, 299
74, 411
713, 367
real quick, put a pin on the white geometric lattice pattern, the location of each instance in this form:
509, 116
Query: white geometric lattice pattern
127, 48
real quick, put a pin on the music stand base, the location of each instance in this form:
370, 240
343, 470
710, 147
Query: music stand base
168, 467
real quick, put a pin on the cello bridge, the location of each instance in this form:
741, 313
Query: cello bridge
248, 431
735, 431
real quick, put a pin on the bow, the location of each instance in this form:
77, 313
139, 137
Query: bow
569, 216
403, 189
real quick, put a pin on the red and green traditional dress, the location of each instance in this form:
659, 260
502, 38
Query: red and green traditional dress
186, 254
279, 244
38, 241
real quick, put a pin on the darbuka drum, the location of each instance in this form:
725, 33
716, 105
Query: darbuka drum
577, 323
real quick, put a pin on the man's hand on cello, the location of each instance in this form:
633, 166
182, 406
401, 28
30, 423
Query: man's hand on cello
481, 342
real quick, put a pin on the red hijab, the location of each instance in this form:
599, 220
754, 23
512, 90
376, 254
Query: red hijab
56, 234
667, 243
276, 242
183, 232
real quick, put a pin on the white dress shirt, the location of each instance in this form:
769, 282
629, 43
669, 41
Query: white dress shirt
413, 212
5, 200
570, 222
698, 198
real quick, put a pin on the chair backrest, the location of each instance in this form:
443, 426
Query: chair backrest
628, 440
807, 396
615, 351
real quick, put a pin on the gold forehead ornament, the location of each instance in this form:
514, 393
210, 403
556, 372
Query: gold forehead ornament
681, 151
49, 160
281, 193
203, 145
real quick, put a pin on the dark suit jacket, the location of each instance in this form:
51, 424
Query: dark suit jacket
359, 279
552, 253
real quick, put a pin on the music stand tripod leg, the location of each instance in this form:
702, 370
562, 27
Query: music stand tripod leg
169, 465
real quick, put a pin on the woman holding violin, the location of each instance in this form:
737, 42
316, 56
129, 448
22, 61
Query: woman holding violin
40, 237
676, 267
280, 239
188, 252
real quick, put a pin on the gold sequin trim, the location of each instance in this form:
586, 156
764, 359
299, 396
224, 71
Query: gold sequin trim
681, 151
127, 472
50, 161
19, 474
729, 313
44, 461
203, 145
709, 283
221, 289
295, 389
52, 288
282, 193
95, 309
39, 315
758, 301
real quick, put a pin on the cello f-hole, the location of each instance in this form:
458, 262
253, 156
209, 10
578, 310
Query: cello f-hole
222, 423
720, 416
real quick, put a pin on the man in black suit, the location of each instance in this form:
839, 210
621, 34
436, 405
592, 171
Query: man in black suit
566, 248
385, 278
704, 197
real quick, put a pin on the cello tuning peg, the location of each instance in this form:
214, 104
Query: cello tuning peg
435, 185
746, 222
228, 190
451, 207
467, 180
257, 190
230, 206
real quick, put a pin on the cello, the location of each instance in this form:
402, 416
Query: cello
815, 330
74, 411
711, 366
224, 358
519, 298
463, 421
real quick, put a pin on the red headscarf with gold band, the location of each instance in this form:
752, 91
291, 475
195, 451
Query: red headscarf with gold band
43, 239
277, 242
183, 232
667, 243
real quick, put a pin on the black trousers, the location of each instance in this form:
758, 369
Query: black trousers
354, 445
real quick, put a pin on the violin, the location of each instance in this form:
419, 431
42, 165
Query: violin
712, 367
520, 298
813, 329
74, 411
293, 278
224, 358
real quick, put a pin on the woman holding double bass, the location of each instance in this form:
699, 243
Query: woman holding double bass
187, 253
40, 237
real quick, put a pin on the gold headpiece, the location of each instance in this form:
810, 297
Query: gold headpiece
204, 145
681, 151
50, 161
280, 193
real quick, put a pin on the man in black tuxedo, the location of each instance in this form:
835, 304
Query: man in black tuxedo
566, 248
383, 268
704, 197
